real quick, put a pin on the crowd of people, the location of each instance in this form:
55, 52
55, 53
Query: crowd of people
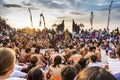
52, 55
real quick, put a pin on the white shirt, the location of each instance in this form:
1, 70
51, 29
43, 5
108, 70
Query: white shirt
99, 64
17, 72
15, 78
18, 67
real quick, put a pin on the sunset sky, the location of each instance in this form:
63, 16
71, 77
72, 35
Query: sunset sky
55, 11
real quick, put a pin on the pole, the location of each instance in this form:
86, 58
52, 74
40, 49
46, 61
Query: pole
110, 6
30, 17
91, 19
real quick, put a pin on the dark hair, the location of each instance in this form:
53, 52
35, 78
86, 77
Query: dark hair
34, 45
82, 62
68, 73
95, 73
35, 74
93, 58
38, 47
27, 50
74, 52
91, 48
94, 47
82, 45
33, 60
98, 44
56, 50
37, 51
57, 61
71, 46
77, 67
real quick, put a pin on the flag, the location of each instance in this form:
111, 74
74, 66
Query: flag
81, 25
41, 16
30, 17
60, 27
110, 6
91, 19
75, 27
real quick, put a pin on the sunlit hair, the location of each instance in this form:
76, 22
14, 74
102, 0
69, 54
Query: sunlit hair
95, 73
7, 60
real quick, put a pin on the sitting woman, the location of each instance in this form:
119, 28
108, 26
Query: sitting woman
7, 62
55, 69
36, 74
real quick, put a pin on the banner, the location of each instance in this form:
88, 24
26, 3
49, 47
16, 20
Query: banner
110, 6
91, 19
30, 17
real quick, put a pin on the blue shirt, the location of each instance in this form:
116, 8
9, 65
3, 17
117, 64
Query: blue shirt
117, 76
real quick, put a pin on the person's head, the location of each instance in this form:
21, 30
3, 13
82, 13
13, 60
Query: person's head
91, 48
77, 67
82, 62
35, 74
118, 51
57, 61
82, 45
97, 44
37, 51
94, 48
33, 60
56, 50
27, 50
68, 73
7, 62
71, 46
93, 58
95, 73
74, 52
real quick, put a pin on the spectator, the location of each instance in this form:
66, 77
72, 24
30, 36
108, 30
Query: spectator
95, 73
36, 74
33, 63
75, 57
7, 62
93, 61
68, 73
56, 68
118, 55
82, 63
